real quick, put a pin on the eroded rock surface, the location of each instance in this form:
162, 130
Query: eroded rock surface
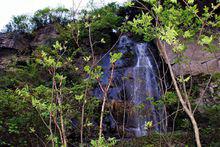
15, 40
45, 36
197, 60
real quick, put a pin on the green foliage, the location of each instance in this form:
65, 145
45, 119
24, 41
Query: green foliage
190, 1
170, 98
187, 34
185, 124
102, 142
48, 16
168, 34
181, 79
19, 23
129, 4
138, 23
25, 112
95, 73
154, 140
115, 57
210, 133
53, 58
148, 125
174, 21
16, 115
105, 18
79, 97
205, 40
25, 23
100, 21
179, 48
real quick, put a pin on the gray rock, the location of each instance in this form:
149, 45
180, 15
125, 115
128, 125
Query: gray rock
15, 40
45, 36
198, 61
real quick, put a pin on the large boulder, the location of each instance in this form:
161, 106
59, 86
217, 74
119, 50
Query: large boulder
196, 60
11, 45
15, 40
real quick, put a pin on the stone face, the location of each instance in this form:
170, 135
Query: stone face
198, 61
23, 42
10, 45
14, 43
15, 40
45, 35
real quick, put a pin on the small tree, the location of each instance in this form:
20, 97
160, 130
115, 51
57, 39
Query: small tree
168, 21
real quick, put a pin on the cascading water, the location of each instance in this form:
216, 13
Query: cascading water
144, 91
135, 88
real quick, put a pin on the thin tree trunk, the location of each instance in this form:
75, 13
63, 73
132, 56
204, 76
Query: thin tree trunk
82, 121
105, 91
184, 103
61, 115
51, 114
50, 128
62, 124
102, 115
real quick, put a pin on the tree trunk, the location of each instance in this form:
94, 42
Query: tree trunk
102, 115
183, 102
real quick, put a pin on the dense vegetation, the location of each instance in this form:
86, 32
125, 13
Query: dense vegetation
25, 23
46, 95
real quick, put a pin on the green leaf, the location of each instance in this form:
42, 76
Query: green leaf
86, 58
115, 57
79, 97
174, 1
190, 1
150, 1
187, 34
179, 48
129, 4
32, 130
168, 34
148, 124
205, 40
59, 64
87, 69
102, 40
182, 80
158, 9
60, 77
187, 79
57, 45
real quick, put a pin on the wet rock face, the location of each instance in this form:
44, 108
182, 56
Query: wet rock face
199, 60
134, 80
123, 69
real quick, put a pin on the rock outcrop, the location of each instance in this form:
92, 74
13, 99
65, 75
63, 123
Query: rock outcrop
24, 42
197, 60
15, 40
44, 36
15, 44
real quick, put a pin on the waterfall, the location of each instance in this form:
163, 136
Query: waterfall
135, 88
144, 91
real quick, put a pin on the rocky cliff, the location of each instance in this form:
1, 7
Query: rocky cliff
196, 60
